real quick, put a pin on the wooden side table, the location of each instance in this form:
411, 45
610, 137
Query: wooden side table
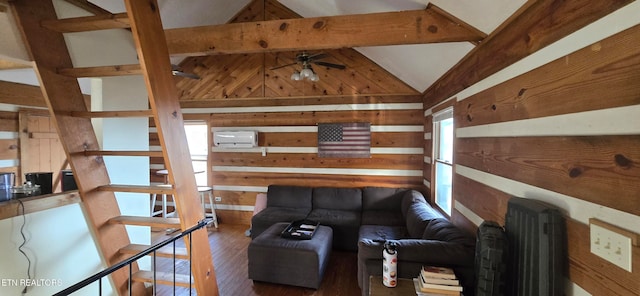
404, 287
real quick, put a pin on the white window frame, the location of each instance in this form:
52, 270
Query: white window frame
201, 177
447, 205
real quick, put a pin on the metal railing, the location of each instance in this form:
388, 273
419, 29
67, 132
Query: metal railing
98, 277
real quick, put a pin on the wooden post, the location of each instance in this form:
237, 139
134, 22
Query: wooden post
163, 96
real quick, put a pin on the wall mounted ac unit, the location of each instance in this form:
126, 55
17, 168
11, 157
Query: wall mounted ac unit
235, 139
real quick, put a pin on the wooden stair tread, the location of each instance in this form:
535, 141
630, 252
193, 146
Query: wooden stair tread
154, 189
147, 221
123, 153
163, 278
166, 251
89, 23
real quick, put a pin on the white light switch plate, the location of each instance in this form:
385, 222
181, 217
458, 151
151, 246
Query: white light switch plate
611, 244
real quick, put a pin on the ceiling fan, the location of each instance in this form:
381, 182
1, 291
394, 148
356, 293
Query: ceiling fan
177, 71
306, 60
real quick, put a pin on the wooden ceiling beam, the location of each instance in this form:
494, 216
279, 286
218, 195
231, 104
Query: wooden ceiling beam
430, 25
102, 71
375, 29
90, 23
536, 25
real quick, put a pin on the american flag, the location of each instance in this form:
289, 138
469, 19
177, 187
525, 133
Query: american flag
344, 140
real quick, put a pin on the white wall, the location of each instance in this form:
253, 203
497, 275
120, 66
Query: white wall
622, 120
59, 245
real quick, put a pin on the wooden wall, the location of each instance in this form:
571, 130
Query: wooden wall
240, 92
566, 132
9, 147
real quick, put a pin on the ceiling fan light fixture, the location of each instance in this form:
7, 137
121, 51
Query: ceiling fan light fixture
296, 76
314, 77
306, 73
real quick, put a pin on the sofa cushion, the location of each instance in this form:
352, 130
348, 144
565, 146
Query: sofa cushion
345, 225
443, 230
289, 197
335, 217
271, 215
418, 216
348, 199
393, 218
382, 198
410, 197
381, 233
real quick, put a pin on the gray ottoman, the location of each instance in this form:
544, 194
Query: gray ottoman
287, 261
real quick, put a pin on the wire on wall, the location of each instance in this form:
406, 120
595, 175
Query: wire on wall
21, 212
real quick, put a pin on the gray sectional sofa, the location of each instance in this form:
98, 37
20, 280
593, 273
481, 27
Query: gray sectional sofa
363, 218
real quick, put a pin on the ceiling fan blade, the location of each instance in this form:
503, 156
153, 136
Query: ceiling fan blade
318, 56
330, 65
187, 75
287, 65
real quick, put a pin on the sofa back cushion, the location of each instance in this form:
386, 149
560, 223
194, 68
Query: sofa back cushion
382, 198
419, 214
348, 199
408, 198
289, 196
443, 230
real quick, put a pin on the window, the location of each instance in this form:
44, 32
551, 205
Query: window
443, 157
198, 148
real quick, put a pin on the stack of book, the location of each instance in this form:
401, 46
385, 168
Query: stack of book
437, 281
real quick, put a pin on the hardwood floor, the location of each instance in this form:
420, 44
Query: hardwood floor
229, 251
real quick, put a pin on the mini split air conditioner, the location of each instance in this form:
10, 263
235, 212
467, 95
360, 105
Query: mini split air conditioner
235, 139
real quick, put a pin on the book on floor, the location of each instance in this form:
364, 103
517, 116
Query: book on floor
432, 280
438, 272
416, 285
436, 280
424, 284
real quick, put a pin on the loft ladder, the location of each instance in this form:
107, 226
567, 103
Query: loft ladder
43, 36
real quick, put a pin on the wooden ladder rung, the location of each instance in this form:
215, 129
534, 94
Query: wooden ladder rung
109, 114
123, 153
163, 278
157, 189
166, 251
88, 23
147, 221
102, 71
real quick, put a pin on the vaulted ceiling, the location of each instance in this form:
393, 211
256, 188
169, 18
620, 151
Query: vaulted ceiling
396, 68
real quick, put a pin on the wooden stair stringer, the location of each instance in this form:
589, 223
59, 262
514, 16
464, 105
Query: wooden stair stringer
153, 54
63, 95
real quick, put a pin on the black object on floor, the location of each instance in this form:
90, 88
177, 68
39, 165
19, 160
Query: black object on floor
537, 253
491, 259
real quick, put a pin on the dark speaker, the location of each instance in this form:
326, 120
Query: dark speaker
68, 182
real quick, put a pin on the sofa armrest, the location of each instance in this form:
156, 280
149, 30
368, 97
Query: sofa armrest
421, 250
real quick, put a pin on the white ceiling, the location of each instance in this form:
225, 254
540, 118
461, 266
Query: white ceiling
418, 66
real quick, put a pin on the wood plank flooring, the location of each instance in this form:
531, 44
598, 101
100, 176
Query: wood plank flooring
229, 252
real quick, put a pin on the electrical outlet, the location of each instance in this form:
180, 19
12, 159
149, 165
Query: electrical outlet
611, 243
218, 198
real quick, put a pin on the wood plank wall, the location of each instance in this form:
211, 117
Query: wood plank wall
568, 133
9, 146
241, 92
288, 137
